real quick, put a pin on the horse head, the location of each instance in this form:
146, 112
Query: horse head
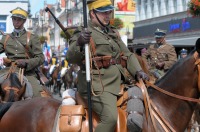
11, 88
183, 82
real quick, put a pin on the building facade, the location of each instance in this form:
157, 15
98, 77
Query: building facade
6, 6
170, 15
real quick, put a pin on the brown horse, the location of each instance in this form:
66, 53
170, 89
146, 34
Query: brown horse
11, 88
53, 81
39, 114
70, 79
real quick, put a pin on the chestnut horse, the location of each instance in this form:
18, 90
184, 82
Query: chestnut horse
182, 79
53, 81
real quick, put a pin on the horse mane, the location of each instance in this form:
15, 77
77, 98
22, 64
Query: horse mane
4, 107
15, 80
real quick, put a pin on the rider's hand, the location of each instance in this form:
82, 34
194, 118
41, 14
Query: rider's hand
160, 65
141, 75
21, 63
84, 37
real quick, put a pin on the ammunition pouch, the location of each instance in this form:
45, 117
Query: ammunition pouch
106, 61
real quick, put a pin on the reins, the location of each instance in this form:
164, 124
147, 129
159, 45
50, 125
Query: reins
152, 109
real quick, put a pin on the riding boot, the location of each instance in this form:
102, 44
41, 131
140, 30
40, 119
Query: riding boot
135, 109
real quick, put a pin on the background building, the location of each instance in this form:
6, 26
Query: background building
6, 6
170, 15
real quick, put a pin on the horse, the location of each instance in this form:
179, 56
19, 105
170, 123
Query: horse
69, 79
15, 87
11, 88
182, 79
53, 81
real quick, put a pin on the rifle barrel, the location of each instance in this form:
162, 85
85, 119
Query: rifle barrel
57, 21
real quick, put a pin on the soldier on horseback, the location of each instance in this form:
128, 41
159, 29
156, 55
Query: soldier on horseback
23, 48
110, 56
160, 56
64, 68
53, 64
183, 53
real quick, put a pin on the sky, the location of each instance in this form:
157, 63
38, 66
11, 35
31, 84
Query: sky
36, 5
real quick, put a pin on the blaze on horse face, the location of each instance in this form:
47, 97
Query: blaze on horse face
11, 89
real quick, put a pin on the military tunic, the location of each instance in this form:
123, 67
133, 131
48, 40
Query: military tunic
15, 51
164, 53
106, 44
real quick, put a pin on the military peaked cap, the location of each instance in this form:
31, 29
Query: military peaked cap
160, 33
100, 5
19, 12
183, 51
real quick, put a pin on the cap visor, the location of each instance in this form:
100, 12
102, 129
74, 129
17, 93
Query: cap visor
106, 8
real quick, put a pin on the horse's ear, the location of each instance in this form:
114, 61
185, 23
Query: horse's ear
198, 45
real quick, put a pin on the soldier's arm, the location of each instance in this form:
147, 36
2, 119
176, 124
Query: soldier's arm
75, 54
2, 44
132, 63
37, 55
172, 58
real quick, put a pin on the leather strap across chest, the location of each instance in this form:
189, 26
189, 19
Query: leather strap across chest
26, 46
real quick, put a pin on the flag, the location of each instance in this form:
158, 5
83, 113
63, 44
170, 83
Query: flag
47, 52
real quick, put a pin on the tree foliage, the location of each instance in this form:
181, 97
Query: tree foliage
117, 23
42, 39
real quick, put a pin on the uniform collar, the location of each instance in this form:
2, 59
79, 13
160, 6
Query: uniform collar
18, 33
105, 30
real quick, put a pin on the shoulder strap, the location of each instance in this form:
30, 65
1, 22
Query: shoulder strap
117, 32
28, 39
27, 44
93, 49
5, 42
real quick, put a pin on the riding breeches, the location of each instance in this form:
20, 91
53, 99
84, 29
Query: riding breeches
51, 69
35, 85
63, 71
105, 106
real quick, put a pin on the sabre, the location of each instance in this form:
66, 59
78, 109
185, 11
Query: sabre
87, 65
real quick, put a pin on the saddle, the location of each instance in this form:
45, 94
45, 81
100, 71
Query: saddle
74, 118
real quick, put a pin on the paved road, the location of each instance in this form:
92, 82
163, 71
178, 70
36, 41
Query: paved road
56, 96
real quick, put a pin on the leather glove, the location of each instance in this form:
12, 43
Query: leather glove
84, 37
160, 65
141, 74
21, 63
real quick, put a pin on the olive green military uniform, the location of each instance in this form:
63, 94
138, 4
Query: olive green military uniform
164, 53
16, 51
106, 44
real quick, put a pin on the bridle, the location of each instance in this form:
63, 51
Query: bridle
151, 109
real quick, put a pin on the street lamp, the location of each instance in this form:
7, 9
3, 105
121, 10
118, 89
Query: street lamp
58, 7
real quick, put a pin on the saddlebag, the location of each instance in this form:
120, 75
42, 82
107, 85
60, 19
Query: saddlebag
71, 118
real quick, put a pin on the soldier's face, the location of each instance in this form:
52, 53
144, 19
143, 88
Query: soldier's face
18, 23
160, 40
104, 17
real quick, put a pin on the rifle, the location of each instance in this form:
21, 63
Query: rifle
60, 24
